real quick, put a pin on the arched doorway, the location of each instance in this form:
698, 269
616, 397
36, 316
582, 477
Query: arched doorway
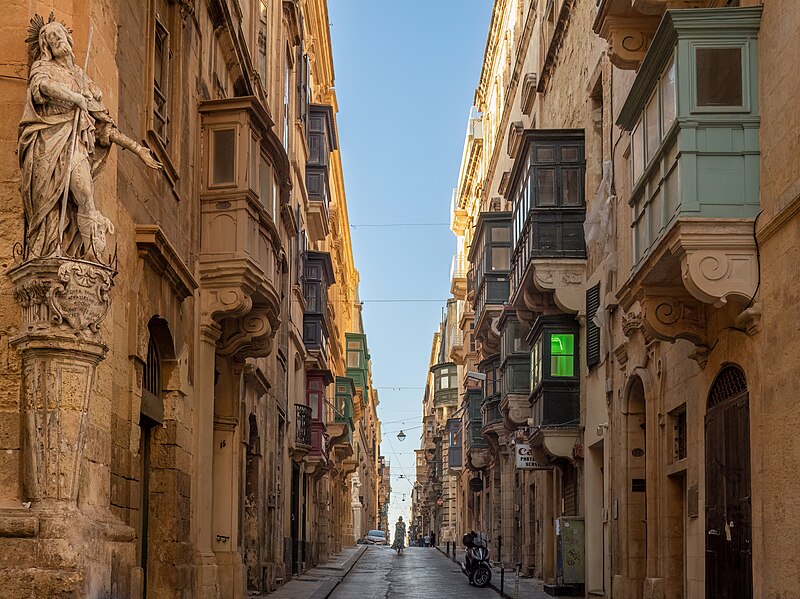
151, 416
729, 563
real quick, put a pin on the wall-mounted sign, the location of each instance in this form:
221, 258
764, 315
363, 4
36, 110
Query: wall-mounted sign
525, 459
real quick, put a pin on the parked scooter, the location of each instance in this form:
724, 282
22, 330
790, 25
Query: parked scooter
476, 564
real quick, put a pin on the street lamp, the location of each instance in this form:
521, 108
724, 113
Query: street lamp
401, 436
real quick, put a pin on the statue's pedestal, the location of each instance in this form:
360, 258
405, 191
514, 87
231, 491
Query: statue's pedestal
49, 543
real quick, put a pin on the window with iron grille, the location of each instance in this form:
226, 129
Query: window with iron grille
731, 383
592, 330
679, 432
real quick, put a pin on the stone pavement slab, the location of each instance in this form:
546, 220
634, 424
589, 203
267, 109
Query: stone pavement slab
420, 573
319, 582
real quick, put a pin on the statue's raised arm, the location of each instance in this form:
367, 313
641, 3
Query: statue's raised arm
64, 138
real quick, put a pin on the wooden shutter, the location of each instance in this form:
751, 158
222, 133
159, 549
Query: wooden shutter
592, 330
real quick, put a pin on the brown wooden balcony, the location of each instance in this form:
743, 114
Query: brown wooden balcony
244, 184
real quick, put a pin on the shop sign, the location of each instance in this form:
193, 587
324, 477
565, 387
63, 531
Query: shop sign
525, 459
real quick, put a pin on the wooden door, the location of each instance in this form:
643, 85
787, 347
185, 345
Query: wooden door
729, 568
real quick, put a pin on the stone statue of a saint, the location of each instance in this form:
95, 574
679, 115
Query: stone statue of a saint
355, 490
63, 105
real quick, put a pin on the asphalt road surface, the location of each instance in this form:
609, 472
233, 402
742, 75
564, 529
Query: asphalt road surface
420, 573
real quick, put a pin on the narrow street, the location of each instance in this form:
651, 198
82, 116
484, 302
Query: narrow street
421, 572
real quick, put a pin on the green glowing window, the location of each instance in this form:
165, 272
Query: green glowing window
562, 354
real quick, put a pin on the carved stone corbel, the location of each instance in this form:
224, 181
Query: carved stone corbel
566, 279
669, 314
717, 263
628, 39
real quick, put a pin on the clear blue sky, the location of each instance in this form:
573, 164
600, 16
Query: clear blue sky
406, 73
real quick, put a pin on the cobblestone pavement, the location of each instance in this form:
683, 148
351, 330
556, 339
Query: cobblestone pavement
420, 573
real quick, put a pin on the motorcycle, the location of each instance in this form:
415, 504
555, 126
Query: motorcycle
476, 564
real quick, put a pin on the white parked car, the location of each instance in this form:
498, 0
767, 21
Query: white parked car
375, 537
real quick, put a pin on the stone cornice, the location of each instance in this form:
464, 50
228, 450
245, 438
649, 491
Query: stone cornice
155, 249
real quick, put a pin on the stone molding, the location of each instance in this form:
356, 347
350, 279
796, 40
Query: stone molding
155, 249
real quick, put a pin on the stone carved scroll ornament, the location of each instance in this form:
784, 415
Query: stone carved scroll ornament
65, 136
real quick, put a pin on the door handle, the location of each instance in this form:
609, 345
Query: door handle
713, 532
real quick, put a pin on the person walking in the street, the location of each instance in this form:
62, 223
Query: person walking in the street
427, 540
433, 539
399, 536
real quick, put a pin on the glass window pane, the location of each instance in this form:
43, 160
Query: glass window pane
353, 360
719, 76
224, 144
500, 234
544, 154
562, 344
562, 366
501, 258
571, 187
667, 98
653, 127
546, 187
637, 151
265, 174
570, 154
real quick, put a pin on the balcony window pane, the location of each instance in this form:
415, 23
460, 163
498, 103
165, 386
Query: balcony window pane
653, 127
570, 154
313, 403
719, 76
255, 156
562, 354
546, 186
500, 234
536, 364
353, 359
570, 187
637, 151
545, 154
265, 187
667, 99
501, 258
224, 155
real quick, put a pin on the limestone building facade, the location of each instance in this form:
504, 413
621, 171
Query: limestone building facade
624, 215
207, 427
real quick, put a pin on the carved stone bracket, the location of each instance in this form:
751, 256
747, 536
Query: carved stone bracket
63, 295
669, 314
566, 278
516, 409
628, 39
719, 262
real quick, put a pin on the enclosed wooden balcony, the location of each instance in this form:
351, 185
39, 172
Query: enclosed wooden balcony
489, 256
322, 141
445, 385
342, 426
318, 277
555, 383
547, 190
693, 117
515, 365
244, 183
